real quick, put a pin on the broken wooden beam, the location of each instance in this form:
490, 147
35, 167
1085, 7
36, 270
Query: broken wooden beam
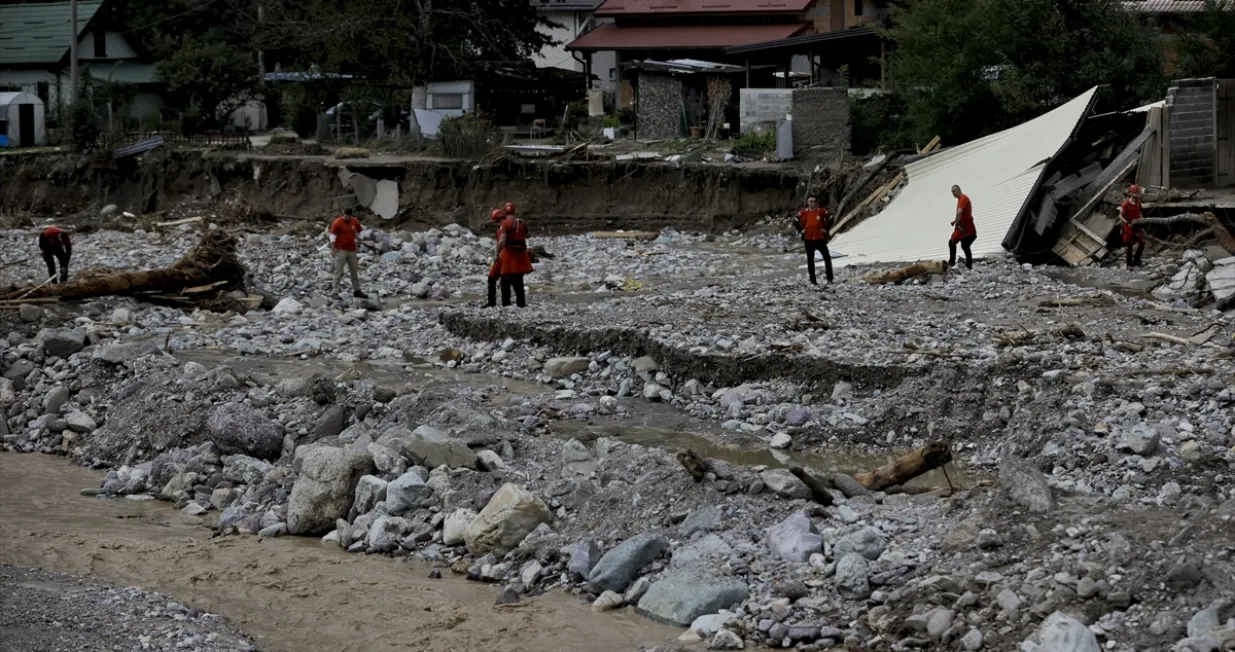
907, 467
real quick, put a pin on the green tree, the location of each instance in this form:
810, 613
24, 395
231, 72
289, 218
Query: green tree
406, 43
212, 78
967, 68
1206, 45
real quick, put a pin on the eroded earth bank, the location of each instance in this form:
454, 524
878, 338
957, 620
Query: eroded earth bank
417, 472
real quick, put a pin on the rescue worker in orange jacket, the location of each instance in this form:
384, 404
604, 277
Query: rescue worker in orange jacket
513, 256
813, 226
495, 270
56, 246
1129, 213
964, 231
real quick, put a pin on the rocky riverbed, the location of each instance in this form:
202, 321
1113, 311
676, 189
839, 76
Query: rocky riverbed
1093, 422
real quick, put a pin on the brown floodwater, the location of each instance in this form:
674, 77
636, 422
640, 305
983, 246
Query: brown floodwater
290, 594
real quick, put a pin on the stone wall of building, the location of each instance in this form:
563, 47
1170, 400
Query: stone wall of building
820, 122
1193, 132
659, 106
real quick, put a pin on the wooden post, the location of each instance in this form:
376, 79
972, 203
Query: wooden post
748, 73
73, 52
883, 63
907, 467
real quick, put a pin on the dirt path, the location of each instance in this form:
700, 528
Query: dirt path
288, 594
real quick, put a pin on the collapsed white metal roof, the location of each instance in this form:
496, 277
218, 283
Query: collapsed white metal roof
998, 172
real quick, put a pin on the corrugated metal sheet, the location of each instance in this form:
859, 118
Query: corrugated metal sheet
654, 7
39, 32
1166, 6
690, 37
998, 172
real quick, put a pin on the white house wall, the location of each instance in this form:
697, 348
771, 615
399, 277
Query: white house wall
117, 47
565, 26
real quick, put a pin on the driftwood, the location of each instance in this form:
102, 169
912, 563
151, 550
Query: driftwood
211, 265
904, 273
907, 467
695, 464
1095, 300
818, 486
1207, 220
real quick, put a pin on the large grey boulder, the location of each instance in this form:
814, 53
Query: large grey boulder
853, 577
510, 516
62, 342
795, 538
559, 367
432, 448
684, 594
244, 469
868, 542
785, 483
711, 551
323, 492
1025, 485
237, 428
406, 493
583, 558
329, 423
56, 398
1061, 633
618, 567
370, 490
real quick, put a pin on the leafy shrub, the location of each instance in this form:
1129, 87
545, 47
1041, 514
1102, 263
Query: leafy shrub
757, 141
470, 136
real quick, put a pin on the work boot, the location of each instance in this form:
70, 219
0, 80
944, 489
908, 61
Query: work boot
359, 294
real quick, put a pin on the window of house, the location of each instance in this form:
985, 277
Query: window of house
857, 7
613, 74
447, 101
43, 91
100, 44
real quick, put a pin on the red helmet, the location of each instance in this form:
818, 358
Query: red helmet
1134, 189
496, 215
510, 207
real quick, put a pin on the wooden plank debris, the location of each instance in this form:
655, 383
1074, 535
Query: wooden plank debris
907, 467
187, 220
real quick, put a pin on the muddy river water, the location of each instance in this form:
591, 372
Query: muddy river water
290, 594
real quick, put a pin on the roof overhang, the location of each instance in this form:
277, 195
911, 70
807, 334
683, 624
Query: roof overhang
688, 67
680, 37
644, 8
806, 44
999, 172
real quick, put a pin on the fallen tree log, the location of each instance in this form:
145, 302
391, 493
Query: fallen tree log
907, 467
1208, 220
212, 262
905, 273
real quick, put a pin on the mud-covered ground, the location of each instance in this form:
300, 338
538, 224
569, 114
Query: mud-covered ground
1091, 424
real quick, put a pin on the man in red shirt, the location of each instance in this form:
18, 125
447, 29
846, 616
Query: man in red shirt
812, 225
344, 232
512, 256
1129, 213
964, 231
55, 244
495, 270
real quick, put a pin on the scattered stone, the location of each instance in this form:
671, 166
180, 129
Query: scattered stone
1060, 633
432, 448
852, 573
684, 594
784, 483
561, 367
795, 538
867, 542
1025, 485
238, 428
323, 491
608, 601
618, 567
63, 342
407, 492
510, 515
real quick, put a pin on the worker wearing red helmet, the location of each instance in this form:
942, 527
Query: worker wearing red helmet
55, 245
513, 256
1129, 213
495, 270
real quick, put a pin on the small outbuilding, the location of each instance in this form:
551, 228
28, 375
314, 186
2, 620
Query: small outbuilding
21, 120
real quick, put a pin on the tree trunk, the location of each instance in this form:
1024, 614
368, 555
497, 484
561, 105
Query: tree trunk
1221, 233
898, 275
907, 467
212, 262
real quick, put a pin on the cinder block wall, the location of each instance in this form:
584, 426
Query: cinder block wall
1194, 138
821, 121
660, 107
763, 105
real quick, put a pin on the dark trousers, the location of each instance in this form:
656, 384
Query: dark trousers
53, 254
513, 282
492, 292
1134, 258
822, 247
965, 243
